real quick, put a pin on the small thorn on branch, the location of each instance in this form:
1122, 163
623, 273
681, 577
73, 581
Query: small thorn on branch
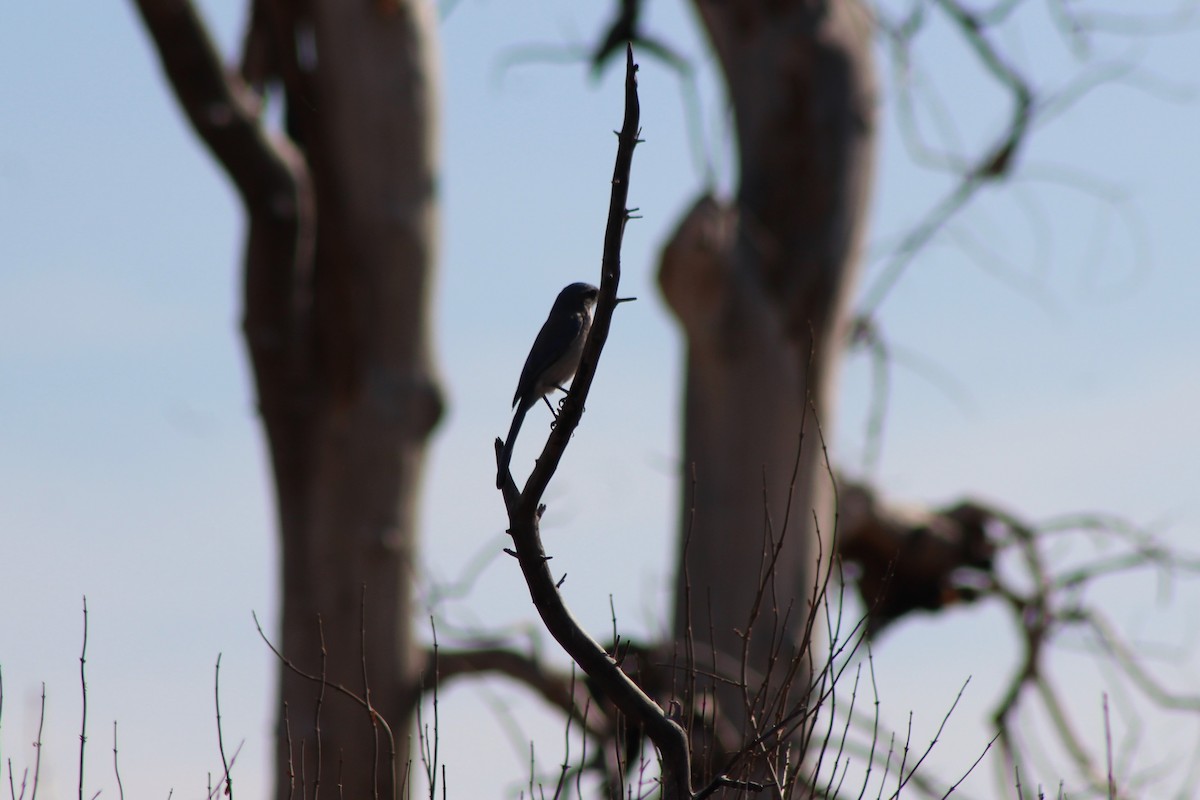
561, 581
616, 647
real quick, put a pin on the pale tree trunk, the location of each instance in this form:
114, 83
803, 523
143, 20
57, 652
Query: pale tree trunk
760, 287
339, 264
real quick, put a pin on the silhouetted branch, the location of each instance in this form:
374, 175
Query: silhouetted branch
228, 781
83, 688
116, 766
320, 680
37, 744
525, 509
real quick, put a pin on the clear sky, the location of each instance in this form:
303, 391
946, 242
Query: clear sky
1060, 331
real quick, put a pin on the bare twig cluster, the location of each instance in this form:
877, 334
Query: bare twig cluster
28, 785
969, 552
15, 791
1029, 105
298, 781
971, 169
790, 748
1049, 602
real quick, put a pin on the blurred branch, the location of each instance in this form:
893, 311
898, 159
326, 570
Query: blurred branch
221, 107
994, 162
271, 176
1029, 105
906, 561
556, 688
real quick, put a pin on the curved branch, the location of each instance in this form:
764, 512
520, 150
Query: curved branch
272, 179
221, 108
525, 509
556, 688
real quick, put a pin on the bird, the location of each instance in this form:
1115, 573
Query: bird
552, 360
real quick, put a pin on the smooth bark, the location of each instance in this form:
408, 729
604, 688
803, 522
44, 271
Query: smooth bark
339, 264
760, 287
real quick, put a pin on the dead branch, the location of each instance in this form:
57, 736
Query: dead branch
907, 561
227, 779
222, 109
320, 680
525, 509
83, 688
556, 688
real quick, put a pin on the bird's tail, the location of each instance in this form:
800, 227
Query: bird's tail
506, 453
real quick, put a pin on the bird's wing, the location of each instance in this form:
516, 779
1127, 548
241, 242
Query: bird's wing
551, 344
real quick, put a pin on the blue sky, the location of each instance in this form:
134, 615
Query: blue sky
133, 467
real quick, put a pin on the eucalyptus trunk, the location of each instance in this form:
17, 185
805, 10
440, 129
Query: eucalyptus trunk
341, 247
760, 286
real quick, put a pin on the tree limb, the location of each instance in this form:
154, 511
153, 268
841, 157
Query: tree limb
222, 109
556, 688
272, 179
525, 509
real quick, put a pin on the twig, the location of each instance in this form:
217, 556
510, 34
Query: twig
37, 744
116, 767
566, 762
1112, 783
12, 790
433, 765
320, 703
215, 792
376, 717
971, 768
934, 741
291, 764
83, 687
371, 713
220, 737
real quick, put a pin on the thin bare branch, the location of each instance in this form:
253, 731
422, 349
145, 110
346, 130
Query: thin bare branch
83, 689
116, 766
228, 781
525, 509
322, 681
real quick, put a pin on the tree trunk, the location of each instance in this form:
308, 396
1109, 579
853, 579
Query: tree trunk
761, 289
339, 261
348, 439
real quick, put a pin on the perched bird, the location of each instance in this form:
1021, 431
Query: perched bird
553, 358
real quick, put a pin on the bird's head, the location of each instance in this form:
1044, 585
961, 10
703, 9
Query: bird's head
577, 297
